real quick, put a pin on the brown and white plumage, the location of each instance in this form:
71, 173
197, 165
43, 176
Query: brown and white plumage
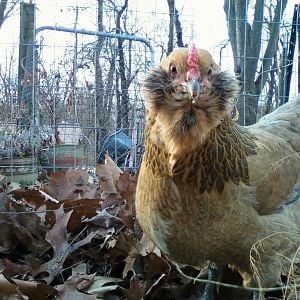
209, 189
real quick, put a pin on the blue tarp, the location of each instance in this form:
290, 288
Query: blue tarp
117, 145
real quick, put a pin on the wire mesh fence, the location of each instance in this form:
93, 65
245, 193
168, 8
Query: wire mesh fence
69, 97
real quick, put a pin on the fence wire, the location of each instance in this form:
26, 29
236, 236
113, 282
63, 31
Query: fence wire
79, 96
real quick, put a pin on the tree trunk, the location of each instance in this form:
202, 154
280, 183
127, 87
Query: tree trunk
174, 23
245, 41
123, 105
27, 63
171, 4
99, 85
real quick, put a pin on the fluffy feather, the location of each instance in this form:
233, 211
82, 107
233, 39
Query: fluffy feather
209, 189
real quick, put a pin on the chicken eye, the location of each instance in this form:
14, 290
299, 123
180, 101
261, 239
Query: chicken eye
173, 70
209, 73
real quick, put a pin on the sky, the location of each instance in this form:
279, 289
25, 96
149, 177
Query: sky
204, 26
203, 21
207, 20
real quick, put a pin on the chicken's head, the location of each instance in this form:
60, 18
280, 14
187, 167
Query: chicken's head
189, 95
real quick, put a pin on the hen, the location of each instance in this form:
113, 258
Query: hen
209, 189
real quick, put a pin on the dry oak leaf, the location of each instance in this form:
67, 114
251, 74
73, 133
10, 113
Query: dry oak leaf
19, 226
131, 248
108, 174
58, 238
44, 207
106, 219
102, 285
71, 289
115, 170
107, 184
33, 290
9, 268
127, 185
136, 290
72, 184
7, 288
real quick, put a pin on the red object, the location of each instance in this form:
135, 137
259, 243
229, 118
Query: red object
192, 62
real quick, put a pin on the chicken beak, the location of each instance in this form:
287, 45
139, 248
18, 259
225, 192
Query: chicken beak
194, 87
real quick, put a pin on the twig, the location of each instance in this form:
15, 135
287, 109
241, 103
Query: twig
48, 197
227, 285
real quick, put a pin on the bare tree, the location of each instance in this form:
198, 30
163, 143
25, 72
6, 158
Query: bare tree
6, 9
8, 91
127, 67
99, 84
246, 42
122, 87
174, 24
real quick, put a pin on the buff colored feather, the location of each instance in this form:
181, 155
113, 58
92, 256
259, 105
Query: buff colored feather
209, 189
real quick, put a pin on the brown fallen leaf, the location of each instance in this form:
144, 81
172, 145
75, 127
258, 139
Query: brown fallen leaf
20, 227
72, 184
58, 235
120, 251
115, 170
9, 268
105, 218
156, 266
31, 196
157, 283
102, 285
126, 185
82, 281
82, 208
7, 288
70, 291
58, 239
129, 265
106, 180
111, 200
127, 218
136, 290
34, 290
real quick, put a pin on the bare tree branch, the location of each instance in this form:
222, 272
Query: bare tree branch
6, 9
271, 47
174, 23
231, 24
246, 43
178, 27
240, 13
171, 4
257, 27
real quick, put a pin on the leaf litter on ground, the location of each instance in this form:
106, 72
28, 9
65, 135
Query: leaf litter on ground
76, 237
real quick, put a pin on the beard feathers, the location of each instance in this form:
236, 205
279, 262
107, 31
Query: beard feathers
180, 125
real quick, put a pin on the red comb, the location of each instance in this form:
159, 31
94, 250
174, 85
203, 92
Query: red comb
192, 62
